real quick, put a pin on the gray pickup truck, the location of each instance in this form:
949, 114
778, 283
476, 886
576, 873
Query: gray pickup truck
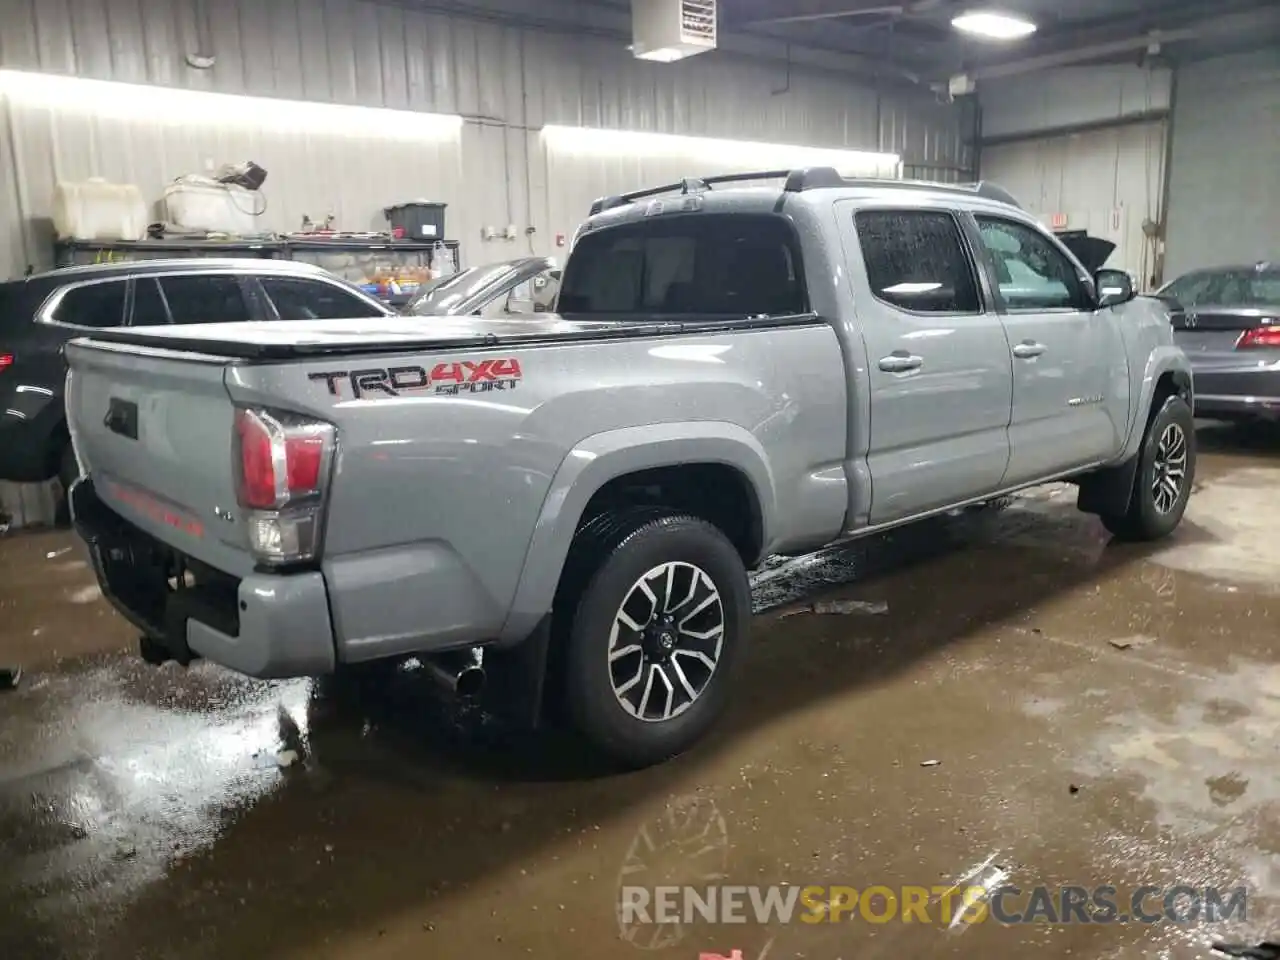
735, 371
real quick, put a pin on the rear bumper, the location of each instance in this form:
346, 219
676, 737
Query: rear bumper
264, 625
1227, 407
1254, 392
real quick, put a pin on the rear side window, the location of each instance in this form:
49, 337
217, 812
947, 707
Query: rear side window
311, 300
916, 260
148, 307
714, 265
204, 299
93, 305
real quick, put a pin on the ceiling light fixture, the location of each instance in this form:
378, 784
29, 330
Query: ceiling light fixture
991, 25
134, 101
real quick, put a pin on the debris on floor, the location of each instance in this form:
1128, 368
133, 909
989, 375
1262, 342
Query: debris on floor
930, 763
828, 607
1136, 642
10, 677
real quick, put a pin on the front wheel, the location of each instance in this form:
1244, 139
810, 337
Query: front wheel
661, 609
1162, 483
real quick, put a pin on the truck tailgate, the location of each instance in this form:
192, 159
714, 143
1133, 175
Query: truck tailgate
154, 429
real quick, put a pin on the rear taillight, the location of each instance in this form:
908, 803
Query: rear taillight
1268, 336
6, 361
282, 463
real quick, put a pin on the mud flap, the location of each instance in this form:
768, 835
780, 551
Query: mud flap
1109, 490
516, 678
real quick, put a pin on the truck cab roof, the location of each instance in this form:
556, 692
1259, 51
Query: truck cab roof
726, 194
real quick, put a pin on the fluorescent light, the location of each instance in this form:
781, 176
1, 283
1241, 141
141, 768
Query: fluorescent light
665, 54
718, 154
134, 101
993, 26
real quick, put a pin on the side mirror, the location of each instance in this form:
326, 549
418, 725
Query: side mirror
1114, 286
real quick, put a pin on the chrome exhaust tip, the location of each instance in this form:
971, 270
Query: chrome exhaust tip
459, 672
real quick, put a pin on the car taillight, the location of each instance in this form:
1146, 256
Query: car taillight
1268, 336
6, 361
282, 463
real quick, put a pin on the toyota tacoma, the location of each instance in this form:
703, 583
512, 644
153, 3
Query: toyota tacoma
736, 369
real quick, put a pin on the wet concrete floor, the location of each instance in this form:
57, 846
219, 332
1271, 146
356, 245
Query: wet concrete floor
1099, 714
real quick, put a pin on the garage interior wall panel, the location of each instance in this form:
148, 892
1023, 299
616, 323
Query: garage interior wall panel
1224, 169
1073, 97
1107, 181
315, 172
507, 81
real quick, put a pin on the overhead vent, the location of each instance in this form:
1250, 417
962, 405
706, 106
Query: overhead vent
670, 30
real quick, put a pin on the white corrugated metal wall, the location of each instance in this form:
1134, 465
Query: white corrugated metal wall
1104, 181
508, 81
1224, 171
1086, 144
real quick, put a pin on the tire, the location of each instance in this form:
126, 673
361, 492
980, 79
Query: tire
1154, 514
686, 563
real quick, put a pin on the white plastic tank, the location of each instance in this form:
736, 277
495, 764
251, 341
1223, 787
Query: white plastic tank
200, 204
94, 209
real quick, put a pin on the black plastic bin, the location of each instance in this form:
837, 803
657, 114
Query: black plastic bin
420, 220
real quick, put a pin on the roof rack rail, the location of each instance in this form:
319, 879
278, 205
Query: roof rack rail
807, 178
685, 186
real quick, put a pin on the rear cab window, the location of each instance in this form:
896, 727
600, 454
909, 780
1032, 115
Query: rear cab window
701, 264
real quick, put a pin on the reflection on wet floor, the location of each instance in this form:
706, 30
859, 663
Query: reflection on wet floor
161, 813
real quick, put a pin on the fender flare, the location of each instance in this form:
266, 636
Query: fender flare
1162, 360
1109, 489
602, 457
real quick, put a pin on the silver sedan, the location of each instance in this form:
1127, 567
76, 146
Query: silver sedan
1227, 319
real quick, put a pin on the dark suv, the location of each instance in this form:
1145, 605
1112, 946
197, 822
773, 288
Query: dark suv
40, 313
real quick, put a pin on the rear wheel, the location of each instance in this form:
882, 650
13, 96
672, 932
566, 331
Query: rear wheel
660, 610
1162, 483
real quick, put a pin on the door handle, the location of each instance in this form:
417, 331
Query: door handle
900, 362
1028, 349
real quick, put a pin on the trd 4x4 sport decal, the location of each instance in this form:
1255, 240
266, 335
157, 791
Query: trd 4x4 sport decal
466, 376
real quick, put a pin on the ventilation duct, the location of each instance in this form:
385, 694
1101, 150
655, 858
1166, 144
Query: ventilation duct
669, 30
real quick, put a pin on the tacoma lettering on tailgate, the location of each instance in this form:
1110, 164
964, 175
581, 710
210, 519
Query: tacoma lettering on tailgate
464, 376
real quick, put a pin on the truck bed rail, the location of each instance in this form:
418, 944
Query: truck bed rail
274, 352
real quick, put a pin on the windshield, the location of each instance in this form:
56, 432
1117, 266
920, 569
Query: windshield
722, 265
1259, 287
